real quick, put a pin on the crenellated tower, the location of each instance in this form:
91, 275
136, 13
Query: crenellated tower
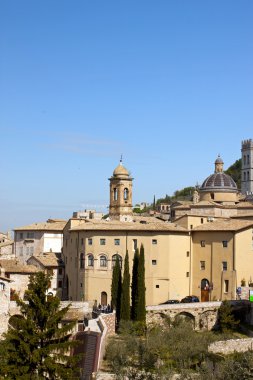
247, 167
121, 207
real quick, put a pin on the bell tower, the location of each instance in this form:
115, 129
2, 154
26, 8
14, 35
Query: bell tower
121, 194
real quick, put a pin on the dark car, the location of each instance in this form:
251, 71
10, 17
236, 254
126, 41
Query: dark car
189, 299
169, 302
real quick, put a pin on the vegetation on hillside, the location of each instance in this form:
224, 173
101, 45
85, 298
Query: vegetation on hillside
163, 351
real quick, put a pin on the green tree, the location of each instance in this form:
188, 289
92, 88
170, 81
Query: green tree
116, 289
141, 290
36, 346
134, 288
235, 172
125, 296
226, 319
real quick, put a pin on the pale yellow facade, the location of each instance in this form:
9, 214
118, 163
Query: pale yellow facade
89, 252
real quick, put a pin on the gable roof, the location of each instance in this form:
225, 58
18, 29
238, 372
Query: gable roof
14, 266
49, 225
49, 259
225, 225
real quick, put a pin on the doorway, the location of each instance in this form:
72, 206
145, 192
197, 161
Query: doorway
103, 299
204, 290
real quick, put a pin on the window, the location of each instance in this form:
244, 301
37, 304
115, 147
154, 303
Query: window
226, 286
244, 176
202, 220
154, 241
248, 159
116, 241
81, 285
103, 261
81, 260
89, 241
188, 254
157, 286
244, 159
126, 194
187, 274
202, 243
154, 262
2, 285
212, 195
115, 194
90, 261
30, 235
59, 284
134, 244
27, 250
60, 271
191, 226
225, 243
247, 176
202, 265
224, 265
102, 241
114, 259
21, 235
31, 250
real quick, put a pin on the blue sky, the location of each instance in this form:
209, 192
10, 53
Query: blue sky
168, 84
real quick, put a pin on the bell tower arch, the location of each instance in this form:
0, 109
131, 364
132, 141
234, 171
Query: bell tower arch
121, 194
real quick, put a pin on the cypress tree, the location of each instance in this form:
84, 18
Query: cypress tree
134, 290
141, 290
125, 296
116, 289
35, 347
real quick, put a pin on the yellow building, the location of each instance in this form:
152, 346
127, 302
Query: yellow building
203, 252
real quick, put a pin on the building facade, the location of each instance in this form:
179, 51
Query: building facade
37, 238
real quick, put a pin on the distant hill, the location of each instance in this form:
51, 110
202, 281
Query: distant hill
186, 194
235, 172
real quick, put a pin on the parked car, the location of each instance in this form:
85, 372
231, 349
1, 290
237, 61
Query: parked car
169, 302
189, 299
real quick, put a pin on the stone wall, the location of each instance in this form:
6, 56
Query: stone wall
232, 345
202, 314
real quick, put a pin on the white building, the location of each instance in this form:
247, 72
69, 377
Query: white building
38, 238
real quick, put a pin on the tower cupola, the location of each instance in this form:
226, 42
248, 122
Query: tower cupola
121, 194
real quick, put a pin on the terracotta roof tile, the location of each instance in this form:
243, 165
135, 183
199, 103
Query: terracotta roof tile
50, 225
225, 225
14, 266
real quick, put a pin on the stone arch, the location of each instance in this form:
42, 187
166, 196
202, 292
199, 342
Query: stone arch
185, 316
207, 320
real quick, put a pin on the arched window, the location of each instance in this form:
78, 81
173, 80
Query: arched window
103, 261
126, 191
244, 176
2, 285
81, 260
90, 260
247, 176
114, 258
115, 194
244, 159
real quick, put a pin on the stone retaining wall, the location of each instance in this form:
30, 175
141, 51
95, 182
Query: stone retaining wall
231, 345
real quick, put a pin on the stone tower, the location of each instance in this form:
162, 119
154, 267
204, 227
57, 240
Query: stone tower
121, 194
247, 167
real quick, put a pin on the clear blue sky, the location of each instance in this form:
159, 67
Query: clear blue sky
169, 84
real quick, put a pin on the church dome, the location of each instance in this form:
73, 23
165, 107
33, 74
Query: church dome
219, 182
120, 171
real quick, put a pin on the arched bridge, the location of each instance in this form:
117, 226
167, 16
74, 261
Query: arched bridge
202, 314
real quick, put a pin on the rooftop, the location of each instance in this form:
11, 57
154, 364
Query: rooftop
14, 266
140, 225
49, 225
49, 259
225, 225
